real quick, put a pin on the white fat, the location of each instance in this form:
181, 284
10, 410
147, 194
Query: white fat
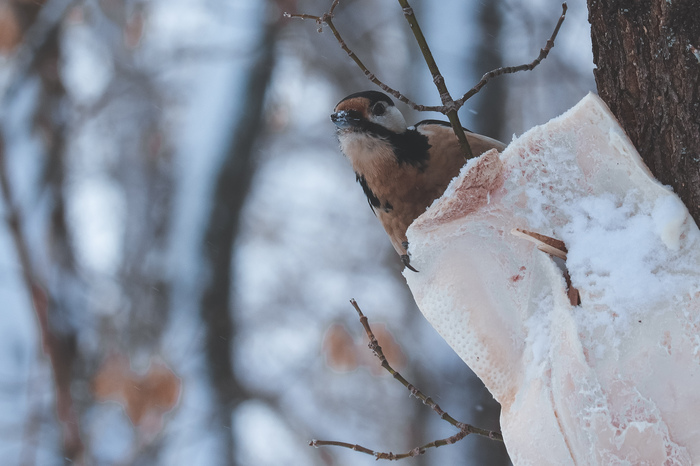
612, 380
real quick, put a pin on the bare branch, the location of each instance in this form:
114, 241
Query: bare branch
448, 105
552, 246
335, 4
447, 101
514, 69
389, 455
49, 17
327, 18
374, 346
464, 429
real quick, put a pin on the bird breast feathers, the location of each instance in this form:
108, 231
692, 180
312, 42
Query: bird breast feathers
368, 154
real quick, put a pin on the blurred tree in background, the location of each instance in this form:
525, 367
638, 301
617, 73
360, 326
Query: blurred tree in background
182, 235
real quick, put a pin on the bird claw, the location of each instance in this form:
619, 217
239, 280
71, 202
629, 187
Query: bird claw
405, 259
407, 262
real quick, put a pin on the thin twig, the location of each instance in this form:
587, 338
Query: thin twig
449, 106
389, 455
327, 18
514, 69
374, 346
49, 17
464, 429
552, 246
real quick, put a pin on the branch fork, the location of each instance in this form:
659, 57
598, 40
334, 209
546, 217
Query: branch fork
449, 106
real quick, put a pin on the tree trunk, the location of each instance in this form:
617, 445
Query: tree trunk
648, 72
232, 185
491, 107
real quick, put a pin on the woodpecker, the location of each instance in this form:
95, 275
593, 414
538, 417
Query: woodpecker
401, 169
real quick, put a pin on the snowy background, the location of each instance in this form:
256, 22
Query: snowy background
194, 234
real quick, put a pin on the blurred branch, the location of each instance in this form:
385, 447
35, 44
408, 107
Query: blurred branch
52, 344
48, 20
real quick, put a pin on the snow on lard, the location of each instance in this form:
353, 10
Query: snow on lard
612, 380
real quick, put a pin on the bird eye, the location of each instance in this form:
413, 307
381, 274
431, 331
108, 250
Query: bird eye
379, 108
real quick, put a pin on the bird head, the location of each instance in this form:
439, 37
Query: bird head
370, 112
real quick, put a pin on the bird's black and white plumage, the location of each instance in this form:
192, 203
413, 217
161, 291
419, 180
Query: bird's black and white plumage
402, 170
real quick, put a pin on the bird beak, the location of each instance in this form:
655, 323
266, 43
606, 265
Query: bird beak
345, 119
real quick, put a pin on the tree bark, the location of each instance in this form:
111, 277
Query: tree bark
648, 72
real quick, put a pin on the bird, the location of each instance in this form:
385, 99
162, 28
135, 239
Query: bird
401, 169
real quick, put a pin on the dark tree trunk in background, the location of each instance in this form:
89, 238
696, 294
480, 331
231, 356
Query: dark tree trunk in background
491, 116
648, 72
232, 185
63, 303
492, 98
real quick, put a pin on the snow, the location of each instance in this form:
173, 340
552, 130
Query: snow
609, 381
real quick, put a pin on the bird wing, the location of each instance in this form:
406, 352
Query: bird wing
478, 142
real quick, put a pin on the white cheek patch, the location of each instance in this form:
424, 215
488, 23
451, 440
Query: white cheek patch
392, 120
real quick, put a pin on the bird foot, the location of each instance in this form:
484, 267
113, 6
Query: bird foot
407, 262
